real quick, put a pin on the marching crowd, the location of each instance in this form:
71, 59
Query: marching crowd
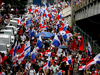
52, 55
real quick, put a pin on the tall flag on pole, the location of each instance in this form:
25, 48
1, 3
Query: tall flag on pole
19, 46
25, 52
58, 16
95, 60
49, 60
13, 51
33, 55
19, 21
64, 35
81, 45
39, 42
32, 33
29, 22
89, 52
69, 59
24, 47
56, 41
74, 45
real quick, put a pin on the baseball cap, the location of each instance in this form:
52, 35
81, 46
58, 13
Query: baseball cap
93, 69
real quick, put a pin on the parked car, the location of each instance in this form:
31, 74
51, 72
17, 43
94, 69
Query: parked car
13, 28
6, 39
14, 23
16, 19
9, 32
3, 48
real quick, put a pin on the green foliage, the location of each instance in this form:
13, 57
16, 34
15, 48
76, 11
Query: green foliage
74, 22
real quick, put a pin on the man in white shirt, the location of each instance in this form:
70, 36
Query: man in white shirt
40, 63
79, 55
32, 71
55, 68
28, 65
23, 37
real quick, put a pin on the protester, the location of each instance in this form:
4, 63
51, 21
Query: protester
80, 71
55, 68
19, 72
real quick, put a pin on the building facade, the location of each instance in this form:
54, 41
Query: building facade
67, 14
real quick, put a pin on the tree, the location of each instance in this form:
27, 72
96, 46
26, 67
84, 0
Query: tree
23, 3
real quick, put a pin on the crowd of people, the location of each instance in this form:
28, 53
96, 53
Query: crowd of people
57, 63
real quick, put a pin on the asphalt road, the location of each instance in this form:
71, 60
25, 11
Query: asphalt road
74, 70
2, 26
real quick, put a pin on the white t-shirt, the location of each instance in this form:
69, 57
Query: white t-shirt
38, 73
32, 72
27, 66
79, 57
23, 37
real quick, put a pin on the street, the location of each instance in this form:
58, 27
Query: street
42, 38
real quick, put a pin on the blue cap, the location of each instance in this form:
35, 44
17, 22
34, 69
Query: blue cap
93, 69
43, 47
10, 55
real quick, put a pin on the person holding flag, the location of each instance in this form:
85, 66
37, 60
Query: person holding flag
80, 68
55, 68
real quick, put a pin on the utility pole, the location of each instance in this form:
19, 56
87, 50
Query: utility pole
72, 13
57, 4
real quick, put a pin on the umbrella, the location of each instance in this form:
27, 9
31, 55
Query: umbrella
45, 35
63, 47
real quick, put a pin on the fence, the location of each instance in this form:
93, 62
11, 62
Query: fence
87, 38
83, 4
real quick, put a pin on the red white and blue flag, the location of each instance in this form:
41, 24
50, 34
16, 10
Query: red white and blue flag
81, 67
39, 42
67, 59
95, 60
25, 51
56, 41
13, 51
63, 33
89, 52
2, 73
19, 46
60, 3
33, 55
47, 64
47, 53
29, 22
60, 72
